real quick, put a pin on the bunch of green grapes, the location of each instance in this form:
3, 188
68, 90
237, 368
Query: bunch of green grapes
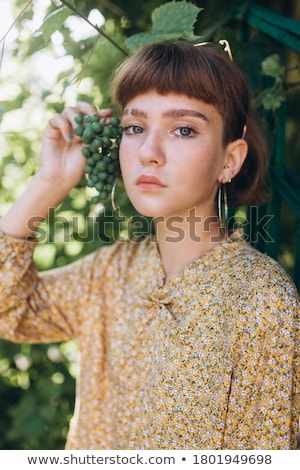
101, 151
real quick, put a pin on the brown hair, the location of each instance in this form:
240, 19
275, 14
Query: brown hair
209, 75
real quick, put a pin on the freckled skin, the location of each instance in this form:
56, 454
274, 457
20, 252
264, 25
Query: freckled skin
178, 139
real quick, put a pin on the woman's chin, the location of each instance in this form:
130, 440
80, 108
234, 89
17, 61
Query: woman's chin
147, 210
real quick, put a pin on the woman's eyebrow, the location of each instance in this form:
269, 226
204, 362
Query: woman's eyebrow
181, 112
135, 112
169, 113
173, 112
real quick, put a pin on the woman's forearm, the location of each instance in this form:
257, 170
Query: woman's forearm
31, 209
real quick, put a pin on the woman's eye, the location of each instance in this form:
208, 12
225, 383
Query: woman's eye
184, 131
130, 130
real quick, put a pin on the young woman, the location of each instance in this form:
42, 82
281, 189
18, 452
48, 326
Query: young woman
189, 339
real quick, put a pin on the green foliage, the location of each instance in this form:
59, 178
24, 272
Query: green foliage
271, 66
272, 97
53, 22
36, 391
171, 21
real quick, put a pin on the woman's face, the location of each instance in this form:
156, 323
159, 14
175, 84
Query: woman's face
171, 154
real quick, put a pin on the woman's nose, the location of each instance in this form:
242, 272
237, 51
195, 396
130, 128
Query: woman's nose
151, 152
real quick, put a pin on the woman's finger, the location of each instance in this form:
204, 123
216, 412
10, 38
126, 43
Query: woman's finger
60, 125
64, 123
86, 108
106, 112
82, 107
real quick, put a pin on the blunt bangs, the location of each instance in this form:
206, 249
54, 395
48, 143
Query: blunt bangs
197, 72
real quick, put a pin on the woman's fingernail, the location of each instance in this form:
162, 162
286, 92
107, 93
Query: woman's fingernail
69, 136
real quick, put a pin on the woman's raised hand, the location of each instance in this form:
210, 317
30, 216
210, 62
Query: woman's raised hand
61, 168
61, 161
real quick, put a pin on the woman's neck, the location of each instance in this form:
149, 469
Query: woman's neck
183, 240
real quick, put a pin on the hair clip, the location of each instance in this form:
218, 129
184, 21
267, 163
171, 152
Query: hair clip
222, 42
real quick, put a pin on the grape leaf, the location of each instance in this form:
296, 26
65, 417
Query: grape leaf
53, 22
271, 66
171, 21
272, 97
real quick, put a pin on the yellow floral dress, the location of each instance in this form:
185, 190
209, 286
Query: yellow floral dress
209, 360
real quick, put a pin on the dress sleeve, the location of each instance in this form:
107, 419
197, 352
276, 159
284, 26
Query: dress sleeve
40, 307
264, 403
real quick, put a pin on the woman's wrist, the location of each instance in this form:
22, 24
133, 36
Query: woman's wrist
33, 207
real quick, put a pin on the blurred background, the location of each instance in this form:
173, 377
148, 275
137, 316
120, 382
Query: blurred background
52, 55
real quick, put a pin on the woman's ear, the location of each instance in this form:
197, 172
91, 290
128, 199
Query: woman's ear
235, 155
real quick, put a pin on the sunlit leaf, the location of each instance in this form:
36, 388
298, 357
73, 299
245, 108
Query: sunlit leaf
171, 21
53, 22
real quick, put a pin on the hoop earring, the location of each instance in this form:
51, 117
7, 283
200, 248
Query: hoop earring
113, 193
222, 203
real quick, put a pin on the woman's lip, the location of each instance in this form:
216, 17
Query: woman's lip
148, 181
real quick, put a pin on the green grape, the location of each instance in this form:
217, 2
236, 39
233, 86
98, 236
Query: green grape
94, 178
106, 142
97, 127
106, 159
110, 179
95, 144
79, 118
107, 131
86, 152
102, 176
89, 164
110, 168
88, 168
101, 149
115, 122
79, 130
96, 199
114, 154
114, 132
99, 186
100, 165
87, 136
104, 194
94, 118
96, 157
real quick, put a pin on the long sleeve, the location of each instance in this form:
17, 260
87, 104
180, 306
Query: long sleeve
264, 407
40, 307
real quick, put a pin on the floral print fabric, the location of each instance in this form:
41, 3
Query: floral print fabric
209, 360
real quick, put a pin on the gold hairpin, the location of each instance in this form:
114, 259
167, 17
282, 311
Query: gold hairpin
222, 42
